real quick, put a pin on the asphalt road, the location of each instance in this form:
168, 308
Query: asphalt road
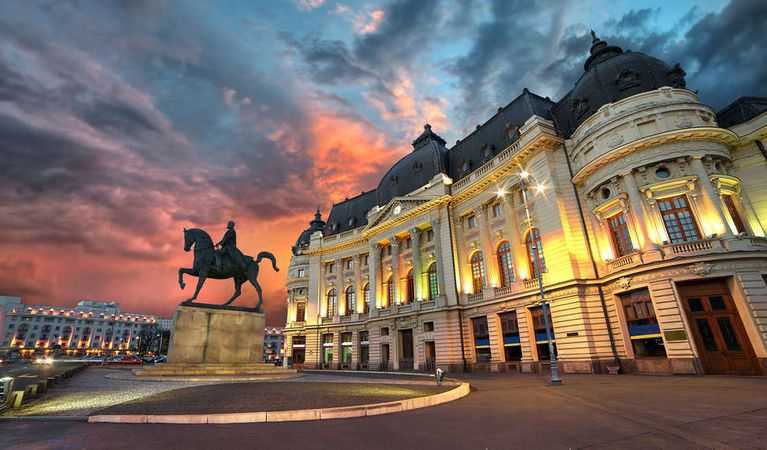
503, 412
26, 372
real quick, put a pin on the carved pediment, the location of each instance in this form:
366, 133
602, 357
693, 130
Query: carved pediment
396, 208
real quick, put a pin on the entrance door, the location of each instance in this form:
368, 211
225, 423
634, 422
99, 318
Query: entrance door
406, 360
721, 340
384, 357
430, 354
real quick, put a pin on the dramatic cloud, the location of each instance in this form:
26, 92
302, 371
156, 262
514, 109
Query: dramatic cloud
124, 122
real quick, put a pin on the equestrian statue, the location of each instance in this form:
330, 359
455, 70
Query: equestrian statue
228, 262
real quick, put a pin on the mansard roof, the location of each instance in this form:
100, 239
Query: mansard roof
350, 213
741, 110
496, 134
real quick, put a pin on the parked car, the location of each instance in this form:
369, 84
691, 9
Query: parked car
124, 359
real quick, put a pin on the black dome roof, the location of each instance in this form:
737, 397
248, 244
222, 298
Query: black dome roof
612, 75
428, 158
315, 225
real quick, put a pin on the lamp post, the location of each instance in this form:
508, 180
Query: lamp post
545, 307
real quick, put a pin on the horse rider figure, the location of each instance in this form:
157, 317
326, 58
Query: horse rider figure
228, 245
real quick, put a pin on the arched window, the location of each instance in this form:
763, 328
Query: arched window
366, 297
433, 282
389, 291
505, 264
534, 239
410, 298
350, 301
332, 303
477, 272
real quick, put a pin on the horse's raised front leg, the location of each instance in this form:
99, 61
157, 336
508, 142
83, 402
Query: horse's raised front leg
237, 290
181, 273
201, 277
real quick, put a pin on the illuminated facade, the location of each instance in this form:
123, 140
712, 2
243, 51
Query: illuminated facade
89, 327
649, 219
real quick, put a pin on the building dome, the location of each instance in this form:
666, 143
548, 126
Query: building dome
428, 158
315, 225
612, 75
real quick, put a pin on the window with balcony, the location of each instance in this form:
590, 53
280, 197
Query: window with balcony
535, 249
619, 234
481, 339
512, 347
642, 324
678, 219
332, 303
300, 312
505, 264
433, 281
477, 272
541, 338
350, 299
410, 284
729, 203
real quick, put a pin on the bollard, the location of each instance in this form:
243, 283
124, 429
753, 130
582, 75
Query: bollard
18, 398
6, 389
439, 375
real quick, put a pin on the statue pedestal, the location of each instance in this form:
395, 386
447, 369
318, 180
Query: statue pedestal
212, 334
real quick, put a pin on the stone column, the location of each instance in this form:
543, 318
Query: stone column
415, 240
358, 293
394, 270
711, 199
488, 252
518, 250
374, 263
438, 256
638, 213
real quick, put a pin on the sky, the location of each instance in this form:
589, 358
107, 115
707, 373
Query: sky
122, 122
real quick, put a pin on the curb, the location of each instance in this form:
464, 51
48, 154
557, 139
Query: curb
342, 412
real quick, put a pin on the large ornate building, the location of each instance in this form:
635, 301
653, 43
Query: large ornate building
648, 216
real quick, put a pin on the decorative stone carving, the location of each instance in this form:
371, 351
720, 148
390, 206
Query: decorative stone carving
701, 269
615, 141
624, 282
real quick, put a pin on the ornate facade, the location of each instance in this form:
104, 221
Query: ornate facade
648, 217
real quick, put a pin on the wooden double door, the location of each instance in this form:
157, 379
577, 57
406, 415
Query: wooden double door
722, 343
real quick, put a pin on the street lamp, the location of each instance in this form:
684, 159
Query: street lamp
540, 188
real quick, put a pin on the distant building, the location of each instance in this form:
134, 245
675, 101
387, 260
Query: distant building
165, 324
90, 327
274, 344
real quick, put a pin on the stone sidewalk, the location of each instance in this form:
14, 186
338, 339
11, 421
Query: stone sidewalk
504, 411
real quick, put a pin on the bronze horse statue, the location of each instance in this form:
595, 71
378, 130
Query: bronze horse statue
205, 267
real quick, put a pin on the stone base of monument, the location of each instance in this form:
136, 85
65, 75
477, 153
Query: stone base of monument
214, 340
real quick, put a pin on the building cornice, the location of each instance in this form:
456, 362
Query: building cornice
715, 134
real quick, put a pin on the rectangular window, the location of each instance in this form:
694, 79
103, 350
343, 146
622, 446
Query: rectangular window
349, 264
678, 219
300, 312
364, 349
428, 326
541, 337
408, 242
642, 324
497, 210
429, 235
346, 350
329, 267
364, 260
733, 211
471, 221
384, 331
301, 273
512, 347
481, 339
327, 350
619, 233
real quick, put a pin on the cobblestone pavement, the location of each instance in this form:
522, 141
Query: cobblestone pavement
503, 411
97, 388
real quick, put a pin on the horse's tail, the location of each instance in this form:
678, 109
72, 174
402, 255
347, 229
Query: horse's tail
267, 255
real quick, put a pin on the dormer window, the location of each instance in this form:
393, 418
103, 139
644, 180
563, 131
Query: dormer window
351, 221
627, 79
580, 106
466, 166
417, 166
394, 179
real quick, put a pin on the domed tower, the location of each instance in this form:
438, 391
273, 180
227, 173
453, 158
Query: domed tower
303, 239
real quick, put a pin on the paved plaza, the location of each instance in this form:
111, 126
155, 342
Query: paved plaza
503, 411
